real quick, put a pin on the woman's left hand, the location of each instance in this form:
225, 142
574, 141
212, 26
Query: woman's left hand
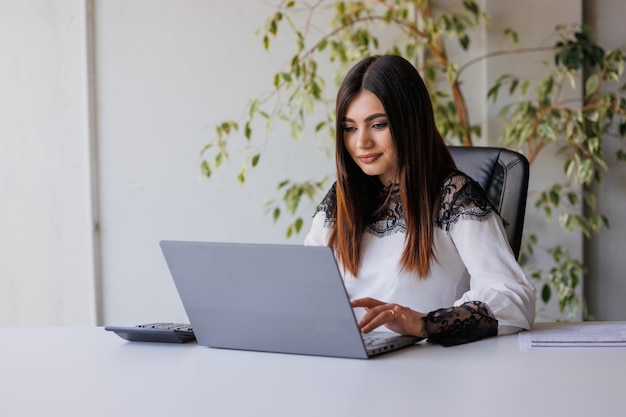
395, 317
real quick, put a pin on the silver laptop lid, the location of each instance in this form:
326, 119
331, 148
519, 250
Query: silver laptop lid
262, 297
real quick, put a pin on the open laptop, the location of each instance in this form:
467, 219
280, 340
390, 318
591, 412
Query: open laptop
271, 298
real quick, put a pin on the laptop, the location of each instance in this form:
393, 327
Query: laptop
271, 298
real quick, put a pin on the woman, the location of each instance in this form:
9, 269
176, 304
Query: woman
422, 250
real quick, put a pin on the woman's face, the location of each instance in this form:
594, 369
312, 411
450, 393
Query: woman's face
367, 137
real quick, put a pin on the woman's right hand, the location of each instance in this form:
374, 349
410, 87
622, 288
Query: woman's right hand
395, 317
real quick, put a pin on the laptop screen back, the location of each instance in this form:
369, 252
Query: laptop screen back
275, 298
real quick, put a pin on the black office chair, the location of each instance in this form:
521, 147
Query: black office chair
503, 174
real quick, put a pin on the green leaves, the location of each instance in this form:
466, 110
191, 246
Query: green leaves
446, 118
576, 128
591, 85
579, 51
562, 280
219, 146
472, 7
565, 277
513, 83
532, 122
293, 193
512, 35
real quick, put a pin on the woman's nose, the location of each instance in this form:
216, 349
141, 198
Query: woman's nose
363, 140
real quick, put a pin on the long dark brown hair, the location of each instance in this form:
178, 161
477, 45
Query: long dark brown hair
423, 160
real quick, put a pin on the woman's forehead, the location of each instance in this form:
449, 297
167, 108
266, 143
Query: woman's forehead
363, 106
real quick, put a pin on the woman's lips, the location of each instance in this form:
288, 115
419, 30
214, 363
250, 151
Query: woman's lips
369, 158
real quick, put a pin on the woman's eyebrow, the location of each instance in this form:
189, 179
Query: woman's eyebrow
367, 119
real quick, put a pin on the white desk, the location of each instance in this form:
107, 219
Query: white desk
90, 372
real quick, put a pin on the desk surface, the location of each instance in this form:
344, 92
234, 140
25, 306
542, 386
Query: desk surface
90, 372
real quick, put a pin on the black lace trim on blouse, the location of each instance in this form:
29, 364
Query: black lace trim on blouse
327, 206
466, 323
386, 221
390, 218
460, 197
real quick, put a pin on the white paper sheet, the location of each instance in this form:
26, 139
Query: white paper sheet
589, 336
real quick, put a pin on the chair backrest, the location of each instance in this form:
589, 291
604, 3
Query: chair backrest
503, 174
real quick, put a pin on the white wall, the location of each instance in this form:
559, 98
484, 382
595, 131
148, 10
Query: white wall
46, 261
165, 71
168, 71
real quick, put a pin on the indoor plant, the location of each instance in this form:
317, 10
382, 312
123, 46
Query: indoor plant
437, 37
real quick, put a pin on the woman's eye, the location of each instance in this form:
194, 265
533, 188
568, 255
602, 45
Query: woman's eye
349, 128
380, 125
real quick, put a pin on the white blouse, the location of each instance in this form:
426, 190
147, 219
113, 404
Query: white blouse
474, 262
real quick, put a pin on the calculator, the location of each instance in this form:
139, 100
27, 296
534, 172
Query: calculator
155, 332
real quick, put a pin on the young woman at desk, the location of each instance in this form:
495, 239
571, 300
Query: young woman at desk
422, 250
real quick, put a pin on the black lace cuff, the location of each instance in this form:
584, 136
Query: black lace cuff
463, 324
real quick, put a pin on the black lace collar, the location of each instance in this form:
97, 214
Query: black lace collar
460, 197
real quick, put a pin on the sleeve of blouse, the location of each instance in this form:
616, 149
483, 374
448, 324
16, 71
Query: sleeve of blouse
318, 233
496, 279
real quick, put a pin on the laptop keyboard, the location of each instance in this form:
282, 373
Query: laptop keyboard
372, 340
381, 342
380, 338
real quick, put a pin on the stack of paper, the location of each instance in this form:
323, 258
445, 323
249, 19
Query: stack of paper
568, 337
